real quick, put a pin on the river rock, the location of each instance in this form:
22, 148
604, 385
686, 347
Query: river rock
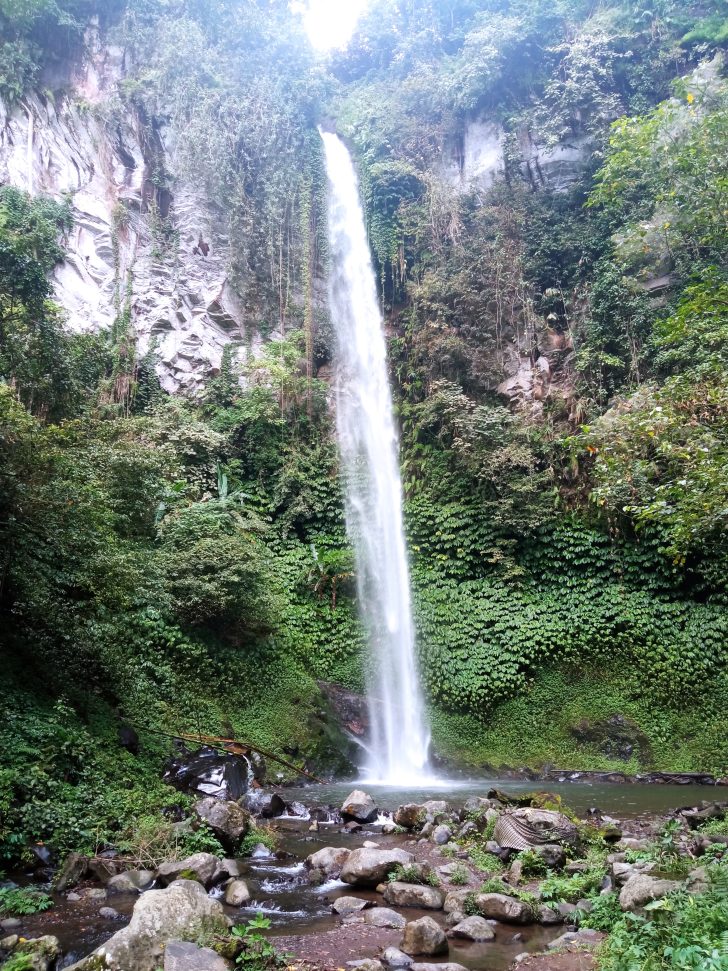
400, 894
200, 866
642, 888
499, 906
349, 905
109, 913
104, 869
131, 881
522, 829
435, 807
359, 807
474, 929
181, 911
553, 855
441, 834
74, 869
265, 804
424, 936
237, 893
385, 917
455, 901
228, 820
186, 956
39, 953
10, 924
365, 964
584, 937
367, 868
444, 966
410, 816
394, 958
329, 860
549, 917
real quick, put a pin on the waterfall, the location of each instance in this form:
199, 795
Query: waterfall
369, 452
29, 152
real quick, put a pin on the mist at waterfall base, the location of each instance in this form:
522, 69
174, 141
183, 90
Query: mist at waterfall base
398, 751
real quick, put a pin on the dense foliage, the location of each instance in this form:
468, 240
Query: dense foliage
558, 353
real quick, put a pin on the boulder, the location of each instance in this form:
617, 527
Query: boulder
400, 894
265, 804
131, 881
237, 893
642, 888
209, 773
200, 866
435, 807
553, 855
455, 901
38, 953
410, 816
441, 834
549, 917
587, 937
525, 828
499, 906
384, 917
182, 911
474, 929
74, 869
359, 807
228, 820
444, 966
394, 958
367, 868
329, 860
109, 913
104, 869
349, 905
424, 936
186, 956
366, 964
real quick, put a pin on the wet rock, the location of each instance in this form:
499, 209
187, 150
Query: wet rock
410, 816
499, 906
384, 917
237, 893
261, 852
186, 956
394, 958
349, 905
549, 917
359, 807
210, 773
203, 867
352, 827
181, 911
40, 953
642, 888
525, 828
228, 820
132, 881
424, 936
400, 894
474, 929
232, 867
109, 913
265, 804
441, 834
74, 869
329, 860
367, 868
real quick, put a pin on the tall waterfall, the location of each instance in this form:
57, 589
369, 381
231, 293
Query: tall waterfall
369, 451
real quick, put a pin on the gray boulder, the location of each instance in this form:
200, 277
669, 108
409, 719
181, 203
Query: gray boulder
367, 868
349, 905
549, 917
400, 894
424, 936
132, 881
182, 911
74, 869
228, 820
200, 866
39, 953
441, 834
237, 893
499, 906
359, 806
553, 855
384, 917
410, 816
586, 937
455, 901
434, 807
642, 888
394, 958
474, 929
329, 860
185, 956
444, 966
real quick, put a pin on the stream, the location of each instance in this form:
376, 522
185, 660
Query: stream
301, 915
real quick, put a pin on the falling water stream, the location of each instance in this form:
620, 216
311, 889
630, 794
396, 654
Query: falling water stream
369, 450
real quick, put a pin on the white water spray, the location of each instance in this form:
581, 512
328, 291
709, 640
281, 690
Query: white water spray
369, 451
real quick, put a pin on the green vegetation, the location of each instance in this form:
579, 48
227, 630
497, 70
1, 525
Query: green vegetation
19, 902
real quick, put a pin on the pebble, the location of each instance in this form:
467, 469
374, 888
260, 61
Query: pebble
109, 913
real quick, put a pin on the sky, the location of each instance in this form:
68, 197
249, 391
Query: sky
330, 23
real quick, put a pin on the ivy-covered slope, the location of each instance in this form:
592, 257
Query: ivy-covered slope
182, 564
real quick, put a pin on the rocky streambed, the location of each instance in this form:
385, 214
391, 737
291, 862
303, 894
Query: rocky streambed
498, 880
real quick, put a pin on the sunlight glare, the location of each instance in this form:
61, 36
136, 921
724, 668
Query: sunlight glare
330, 23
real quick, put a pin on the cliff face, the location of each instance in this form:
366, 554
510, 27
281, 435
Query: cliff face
133, 239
